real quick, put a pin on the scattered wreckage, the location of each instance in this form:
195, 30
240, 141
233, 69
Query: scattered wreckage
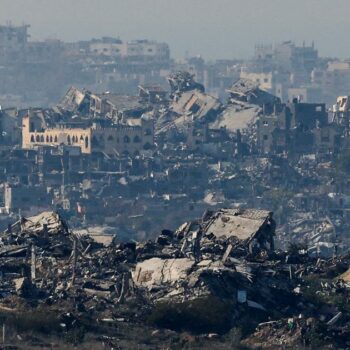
209, 275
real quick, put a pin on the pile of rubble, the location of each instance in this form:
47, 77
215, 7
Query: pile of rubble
247, 91
210, 275
182, 81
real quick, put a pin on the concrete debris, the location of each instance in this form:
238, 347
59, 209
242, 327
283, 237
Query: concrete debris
121, 166
158, 272
182, 81
197, 105
226, 261
247, 91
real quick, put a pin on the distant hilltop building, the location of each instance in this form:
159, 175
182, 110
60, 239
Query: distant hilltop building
144, 50
288, 56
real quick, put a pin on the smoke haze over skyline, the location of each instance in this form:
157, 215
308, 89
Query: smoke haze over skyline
214, 29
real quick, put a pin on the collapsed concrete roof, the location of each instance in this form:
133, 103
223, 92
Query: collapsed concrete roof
76, 100
234, 119
245, 90
183, 81
124, 103
243, 224
156, 271
49, 221
72, 100
196, 103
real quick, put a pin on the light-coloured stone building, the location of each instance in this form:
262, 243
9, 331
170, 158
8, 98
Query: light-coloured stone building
114, 140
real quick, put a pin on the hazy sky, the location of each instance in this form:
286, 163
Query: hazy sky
213, 28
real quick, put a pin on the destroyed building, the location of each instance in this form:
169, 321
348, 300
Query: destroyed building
152, 93
113, 139
95, 188
107, 105
297, 127
245, 90
202, 278
183, 81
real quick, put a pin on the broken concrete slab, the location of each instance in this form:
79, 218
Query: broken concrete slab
156, 271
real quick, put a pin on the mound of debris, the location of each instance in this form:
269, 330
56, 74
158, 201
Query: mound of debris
46, 230
210, 275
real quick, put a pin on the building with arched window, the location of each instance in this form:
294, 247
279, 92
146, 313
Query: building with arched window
113, 140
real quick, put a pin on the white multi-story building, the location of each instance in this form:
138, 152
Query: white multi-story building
137, 49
